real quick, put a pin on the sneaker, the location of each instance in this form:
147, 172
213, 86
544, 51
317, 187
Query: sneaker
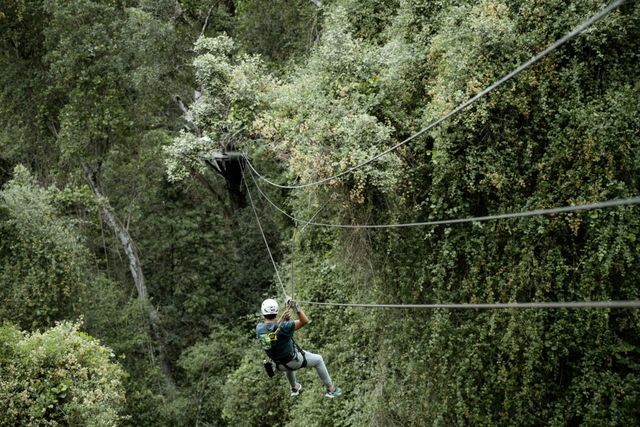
337, 391
296, 391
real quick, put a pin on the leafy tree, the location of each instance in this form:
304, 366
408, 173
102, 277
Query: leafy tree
251, 397
60, 376
206, 366
513, 150
332, 114
43, 262
26, 125
278, 32
231, 95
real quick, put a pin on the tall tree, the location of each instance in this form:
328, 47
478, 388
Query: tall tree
112, 95
59, 376
231, 87
43, 263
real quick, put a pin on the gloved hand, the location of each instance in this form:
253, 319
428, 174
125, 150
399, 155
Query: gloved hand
292, 303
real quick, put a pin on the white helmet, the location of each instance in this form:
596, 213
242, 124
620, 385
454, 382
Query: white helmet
269, 306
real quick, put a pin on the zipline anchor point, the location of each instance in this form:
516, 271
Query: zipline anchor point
218, 160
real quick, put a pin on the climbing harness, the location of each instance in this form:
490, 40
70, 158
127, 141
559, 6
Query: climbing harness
292, 356
269, 339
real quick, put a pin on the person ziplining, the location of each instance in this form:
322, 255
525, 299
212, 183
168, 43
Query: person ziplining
276, 339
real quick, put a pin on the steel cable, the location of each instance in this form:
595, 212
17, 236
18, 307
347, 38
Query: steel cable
579, 29
535, 212
570, 304
284, 292
521, 305
524, 305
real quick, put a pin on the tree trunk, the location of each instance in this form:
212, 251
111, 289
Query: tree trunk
232, 174
135, 267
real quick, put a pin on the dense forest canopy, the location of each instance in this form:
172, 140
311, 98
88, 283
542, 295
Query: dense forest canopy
132, 267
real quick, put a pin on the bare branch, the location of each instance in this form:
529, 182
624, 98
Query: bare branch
206, 22
187, 115
53, 129
130, 249
177, 11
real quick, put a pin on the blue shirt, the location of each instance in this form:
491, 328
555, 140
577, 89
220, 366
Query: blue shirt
283, 345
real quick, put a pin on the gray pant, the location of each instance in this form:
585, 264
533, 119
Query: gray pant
313, 361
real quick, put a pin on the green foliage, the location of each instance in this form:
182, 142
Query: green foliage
193, 18
370, 18
279, 30
251, 397
42, 260
206, 366
232, 94
328, 116
121, 323
103, 84
515, 150
58, 377
25, 123
108, 70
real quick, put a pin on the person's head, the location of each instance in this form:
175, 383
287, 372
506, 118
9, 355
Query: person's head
269, 309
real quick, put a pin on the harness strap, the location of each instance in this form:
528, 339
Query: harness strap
284, 364
301, 351
290, 357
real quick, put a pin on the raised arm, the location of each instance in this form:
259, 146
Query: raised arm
302, 318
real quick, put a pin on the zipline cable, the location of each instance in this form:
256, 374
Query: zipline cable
570, 304
579, 29
284, 292
516, 305
299, 233
312, 218
536, 212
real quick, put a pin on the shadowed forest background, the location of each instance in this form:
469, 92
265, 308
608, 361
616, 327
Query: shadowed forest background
131, 272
